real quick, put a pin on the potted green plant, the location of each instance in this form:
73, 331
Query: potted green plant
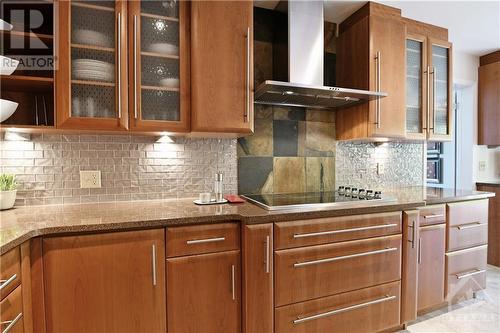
7, 191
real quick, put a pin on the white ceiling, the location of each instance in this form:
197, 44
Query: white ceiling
474, 26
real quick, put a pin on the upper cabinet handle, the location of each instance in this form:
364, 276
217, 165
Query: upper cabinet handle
119, 34
431, 127
135, 66
379, 89
247, 75
428, 72
5, 283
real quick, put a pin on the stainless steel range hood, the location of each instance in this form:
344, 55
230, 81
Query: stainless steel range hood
305, 71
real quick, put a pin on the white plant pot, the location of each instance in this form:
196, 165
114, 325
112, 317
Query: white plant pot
7, 199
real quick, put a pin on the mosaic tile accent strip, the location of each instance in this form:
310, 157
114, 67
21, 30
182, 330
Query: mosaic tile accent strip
132, 167
401, 164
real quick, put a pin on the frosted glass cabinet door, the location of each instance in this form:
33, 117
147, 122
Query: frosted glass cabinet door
441, 82
93, 65
416, 89
159, 77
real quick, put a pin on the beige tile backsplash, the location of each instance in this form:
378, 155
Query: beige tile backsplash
132, 167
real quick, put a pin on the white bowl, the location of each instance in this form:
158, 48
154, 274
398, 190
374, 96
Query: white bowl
164, 48
7, 199
169, 83
7, 65
91, 37
4, 26
7, 108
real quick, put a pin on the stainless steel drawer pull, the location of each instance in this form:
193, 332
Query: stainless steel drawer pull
356, 255
233, 291
268, 255
11, 323
471, 273
206, 240
432, 216
300, 320
340, 231
153, 263
469, 226
5, 283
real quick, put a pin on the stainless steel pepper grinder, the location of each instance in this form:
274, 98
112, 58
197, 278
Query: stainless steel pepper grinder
219, 186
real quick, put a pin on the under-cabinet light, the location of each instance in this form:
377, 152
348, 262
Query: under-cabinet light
12, 135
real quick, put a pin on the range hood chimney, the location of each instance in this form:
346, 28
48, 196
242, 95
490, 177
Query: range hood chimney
305, 61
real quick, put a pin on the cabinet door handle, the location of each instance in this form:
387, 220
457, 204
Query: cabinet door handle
428, 99
153, 263
378, 88
206, 240
433, 99
469, 226
119, 42
247, 83
413, 234
135, 66
355, 255
301, 320
267, 255
5, 283
233, 291
332, 232
11, 323
470, 273
419, 250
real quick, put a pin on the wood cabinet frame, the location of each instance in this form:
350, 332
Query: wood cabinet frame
64, 119
136, 121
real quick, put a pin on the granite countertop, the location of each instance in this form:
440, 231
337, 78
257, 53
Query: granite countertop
22, 223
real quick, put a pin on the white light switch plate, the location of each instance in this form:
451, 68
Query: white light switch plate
90, 179
482, 166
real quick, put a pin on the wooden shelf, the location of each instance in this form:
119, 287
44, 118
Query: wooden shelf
91, 6
29, 34
159, 55
161, 17
93, 47
93, 83
24, 82
159, 88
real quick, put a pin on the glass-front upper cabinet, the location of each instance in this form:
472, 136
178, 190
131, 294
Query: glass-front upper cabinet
159, 65
439, 58
428, 88
92, 84
416, 89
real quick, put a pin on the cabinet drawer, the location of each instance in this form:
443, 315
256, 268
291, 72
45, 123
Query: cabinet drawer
11, 312
322, 270
201, 239
467, 212
465, 272
10, 272
434, 214
362, 311
335, 229
466, 235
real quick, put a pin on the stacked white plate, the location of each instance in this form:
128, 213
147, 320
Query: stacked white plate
93, 70
164, 48
91, 37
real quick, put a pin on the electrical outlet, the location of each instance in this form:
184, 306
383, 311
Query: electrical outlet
90, 179
380, 169
482, 166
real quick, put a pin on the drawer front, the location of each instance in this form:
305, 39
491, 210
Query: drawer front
323, 270
201, 239
465, 272
11, 312
467, 212
466, 235
434, 214
362, 311
335, 229
10, 272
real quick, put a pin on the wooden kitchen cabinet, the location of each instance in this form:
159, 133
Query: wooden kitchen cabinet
112, 282
222, 67
489, 99
91, 81
258, 279
409, 274
431, 266
370, 56
203, 293
159, 65
493, 223
428, 82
